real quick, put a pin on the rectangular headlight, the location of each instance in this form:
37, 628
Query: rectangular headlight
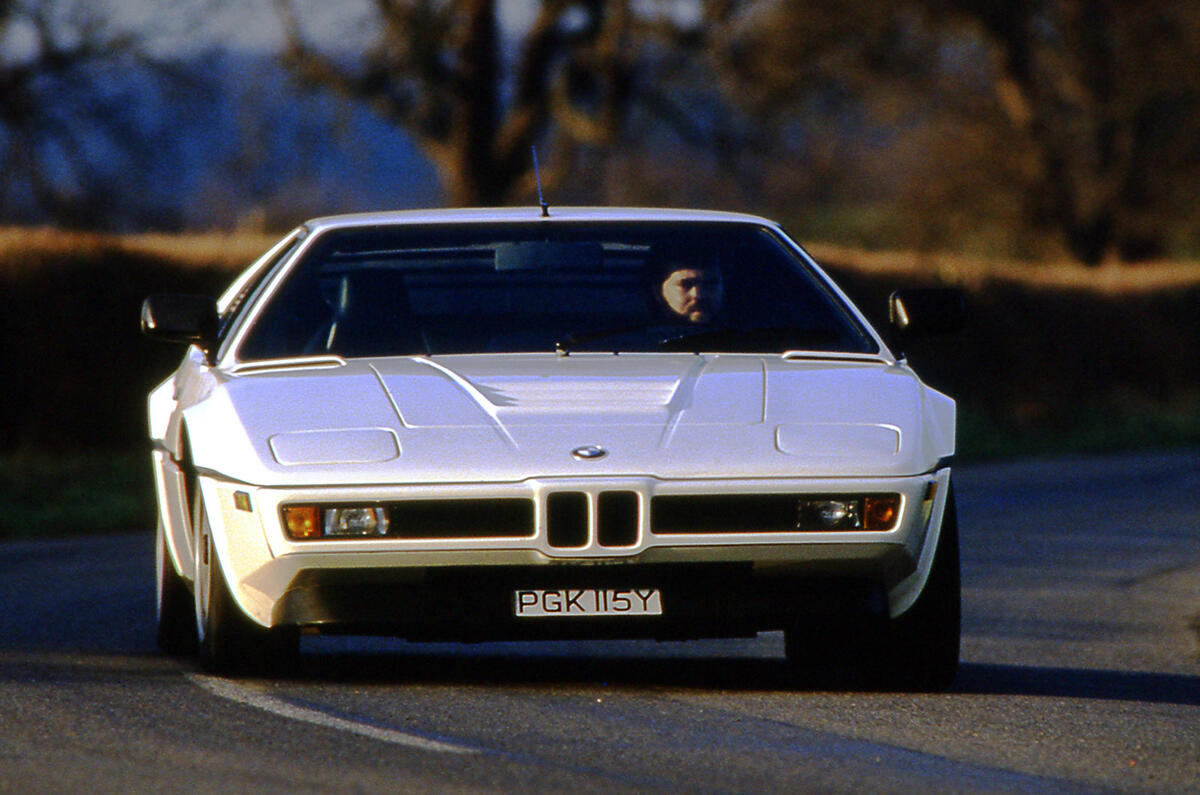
356, 521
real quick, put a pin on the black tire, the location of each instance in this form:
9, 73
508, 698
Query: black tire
925, 640
176, 626
229, 641
836, 651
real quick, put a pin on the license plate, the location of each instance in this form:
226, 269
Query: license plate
564, 602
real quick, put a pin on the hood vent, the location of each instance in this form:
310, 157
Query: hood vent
558, 392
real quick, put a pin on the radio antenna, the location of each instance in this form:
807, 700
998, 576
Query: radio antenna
537, 176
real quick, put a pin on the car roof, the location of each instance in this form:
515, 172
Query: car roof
520, 214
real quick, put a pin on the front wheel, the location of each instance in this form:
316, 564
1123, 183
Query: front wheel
229, 641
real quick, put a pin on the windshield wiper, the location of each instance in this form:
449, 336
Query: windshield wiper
732, 339
564, 346
681, 338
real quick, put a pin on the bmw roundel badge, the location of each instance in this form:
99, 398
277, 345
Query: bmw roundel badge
589, 452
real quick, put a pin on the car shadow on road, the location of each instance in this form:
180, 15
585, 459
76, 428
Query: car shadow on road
1018, 680
747, 674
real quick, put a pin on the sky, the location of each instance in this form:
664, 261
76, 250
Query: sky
177, 26
173, 28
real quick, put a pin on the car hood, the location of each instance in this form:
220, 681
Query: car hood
513, 417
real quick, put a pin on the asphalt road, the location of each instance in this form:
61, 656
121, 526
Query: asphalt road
1081, 674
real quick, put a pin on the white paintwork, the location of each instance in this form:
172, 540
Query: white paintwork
326, 428
509, 417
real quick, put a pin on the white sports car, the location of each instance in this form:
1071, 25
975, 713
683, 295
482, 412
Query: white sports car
486, 424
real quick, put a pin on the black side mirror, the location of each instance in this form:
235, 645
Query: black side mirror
181, 318
923, 312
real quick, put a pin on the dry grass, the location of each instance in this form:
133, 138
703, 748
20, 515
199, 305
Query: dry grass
1112, 278
235, 250
20, 246
203, 248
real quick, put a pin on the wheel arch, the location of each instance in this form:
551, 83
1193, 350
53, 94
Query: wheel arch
174, 482
238, 546
906, 593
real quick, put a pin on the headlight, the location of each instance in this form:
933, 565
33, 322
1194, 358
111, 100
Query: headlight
356, 521
829, 514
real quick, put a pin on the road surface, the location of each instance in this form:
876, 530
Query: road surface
1081, 674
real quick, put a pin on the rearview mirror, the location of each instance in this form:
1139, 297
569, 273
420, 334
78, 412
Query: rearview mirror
181, 318
547, 255
922, 312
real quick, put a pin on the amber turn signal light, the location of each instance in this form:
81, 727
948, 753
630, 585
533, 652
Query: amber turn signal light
302, 521
879, 513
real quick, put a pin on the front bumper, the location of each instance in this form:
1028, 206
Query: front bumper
712, 584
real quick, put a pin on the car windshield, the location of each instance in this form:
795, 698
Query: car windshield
536, 287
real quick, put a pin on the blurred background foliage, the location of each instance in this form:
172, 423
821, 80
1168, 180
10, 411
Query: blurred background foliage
1042, 154
1028, 128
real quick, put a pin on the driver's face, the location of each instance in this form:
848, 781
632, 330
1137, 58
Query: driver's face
694, 294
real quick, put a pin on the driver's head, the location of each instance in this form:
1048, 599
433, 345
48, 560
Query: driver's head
692, 291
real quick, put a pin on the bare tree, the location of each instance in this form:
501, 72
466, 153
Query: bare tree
440, 71
1087, 110
57, 125
1106, 95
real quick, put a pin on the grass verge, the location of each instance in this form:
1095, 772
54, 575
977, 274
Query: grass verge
1111, 426
43, 497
